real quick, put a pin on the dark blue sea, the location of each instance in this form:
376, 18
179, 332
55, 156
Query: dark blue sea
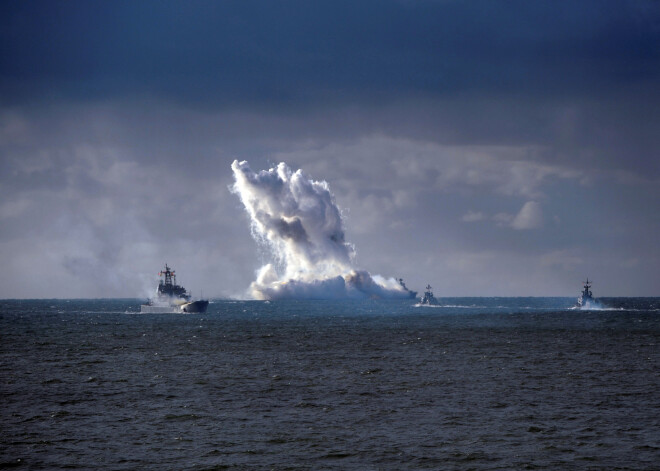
475, 384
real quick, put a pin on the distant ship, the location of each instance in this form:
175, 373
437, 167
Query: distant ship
585, 297
411, 294
172, 298
428, 297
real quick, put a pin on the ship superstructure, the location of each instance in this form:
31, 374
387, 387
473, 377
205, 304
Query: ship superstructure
171, 297
168, 288
428, 297
586, 296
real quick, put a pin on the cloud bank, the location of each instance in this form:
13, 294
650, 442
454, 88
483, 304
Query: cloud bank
483, 149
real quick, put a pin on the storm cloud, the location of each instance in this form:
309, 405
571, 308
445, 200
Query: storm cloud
487, 148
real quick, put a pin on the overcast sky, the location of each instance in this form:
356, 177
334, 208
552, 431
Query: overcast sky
488, 148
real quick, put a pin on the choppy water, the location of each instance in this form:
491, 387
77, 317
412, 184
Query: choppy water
480, 383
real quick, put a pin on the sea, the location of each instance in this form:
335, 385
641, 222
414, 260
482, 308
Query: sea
471, 384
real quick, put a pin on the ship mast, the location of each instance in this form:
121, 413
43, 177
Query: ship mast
170, 277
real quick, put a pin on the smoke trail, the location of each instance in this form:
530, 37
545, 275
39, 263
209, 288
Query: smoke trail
298, 220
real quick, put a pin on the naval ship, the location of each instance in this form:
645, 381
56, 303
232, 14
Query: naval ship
428, 297
585, 297
172, 298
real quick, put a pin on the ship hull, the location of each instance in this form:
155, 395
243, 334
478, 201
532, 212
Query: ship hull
150, 309
195, 306
186, 308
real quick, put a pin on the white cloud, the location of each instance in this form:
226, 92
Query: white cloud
503, 219
473, 216
108, 187
389, 162
529, 217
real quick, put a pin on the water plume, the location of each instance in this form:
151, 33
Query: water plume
297, 219
593, 305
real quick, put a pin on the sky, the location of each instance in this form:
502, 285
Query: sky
489, 148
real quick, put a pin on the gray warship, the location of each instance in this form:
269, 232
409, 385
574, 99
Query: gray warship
172, 298
428, 297
586, 297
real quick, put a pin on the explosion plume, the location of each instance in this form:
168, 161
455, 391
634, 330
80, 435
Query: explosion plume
298, 220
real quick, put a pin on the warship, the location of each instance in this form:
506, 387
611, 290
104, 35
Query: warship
586, 296
428, 297
172, 298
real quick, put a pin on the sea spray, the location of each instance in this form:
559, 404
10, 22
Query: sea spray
297, 219
593, 305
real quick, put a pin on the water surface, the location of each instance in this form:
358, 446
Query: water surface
477, 383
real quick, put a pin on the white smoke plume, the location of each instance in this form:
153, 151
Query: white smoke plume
298, 220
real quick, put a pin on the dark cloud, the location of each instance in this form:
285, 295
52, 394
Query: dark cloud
279, 52
484, 147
